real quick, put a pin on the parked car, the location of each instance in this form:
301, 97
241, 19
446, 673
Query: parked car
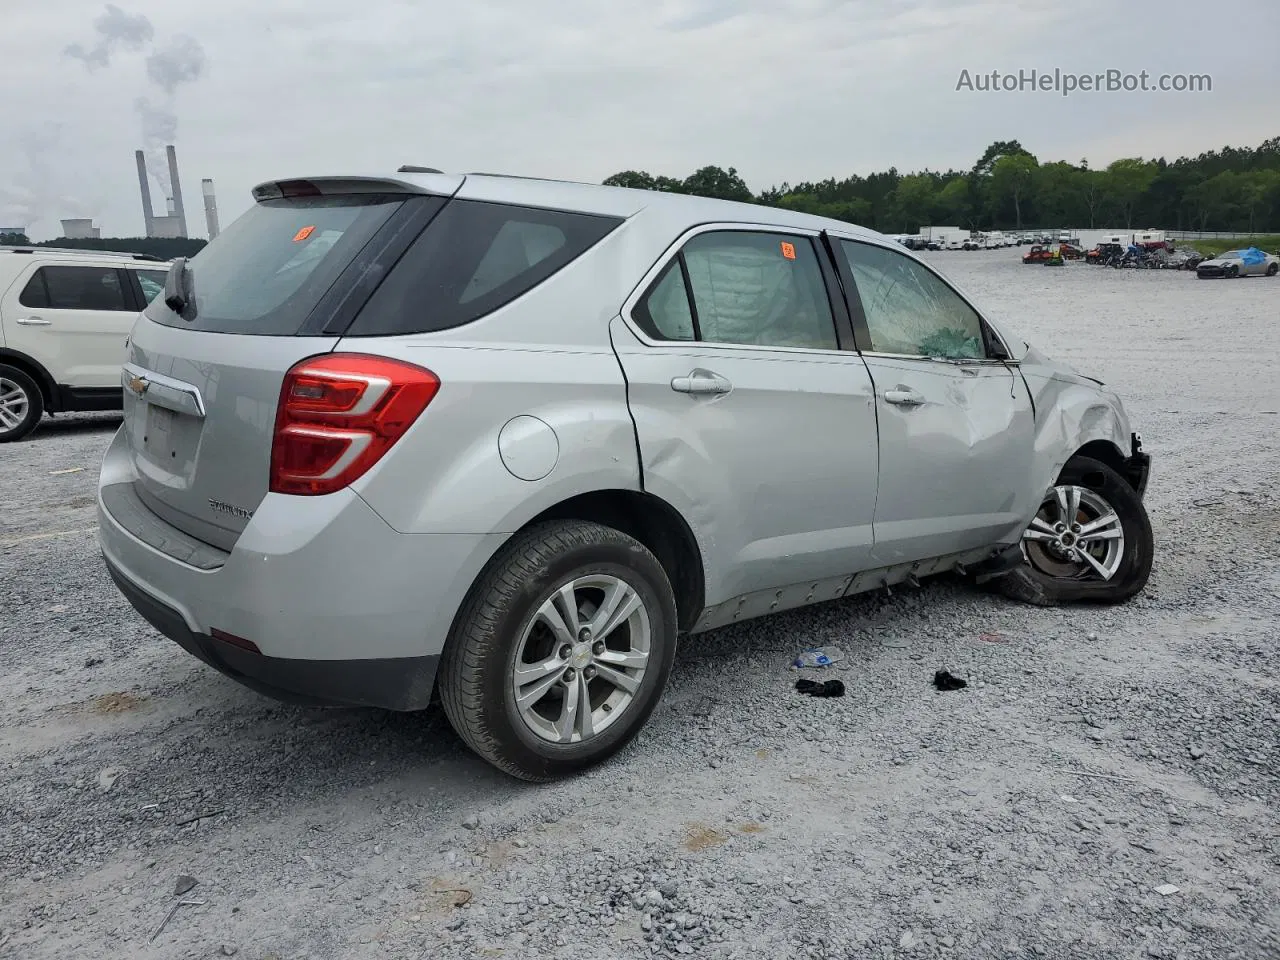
64, 317
971, 243
508, 439
1251, 262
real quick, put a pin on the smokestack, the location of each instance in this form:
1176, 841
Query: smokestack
210, 207
148, 214
178, 209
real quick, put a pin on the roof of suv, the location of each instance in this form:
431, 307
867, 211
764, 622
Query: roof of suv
626, 201
69, 253
595, 198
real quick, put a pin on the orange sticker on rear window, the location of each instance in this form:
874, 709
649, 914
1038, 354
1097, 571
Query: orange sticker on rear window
303, 234
788, 250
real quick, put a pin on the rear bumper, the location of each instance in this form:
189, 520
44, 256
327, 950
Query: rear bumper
399, 683
344, 609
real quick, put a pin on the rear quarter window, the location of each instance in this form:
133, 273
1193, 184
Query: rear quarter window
473, 258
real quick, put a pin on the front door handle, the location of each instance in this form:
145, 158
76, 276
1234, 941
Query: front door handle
33, 322
701, 382
904, 397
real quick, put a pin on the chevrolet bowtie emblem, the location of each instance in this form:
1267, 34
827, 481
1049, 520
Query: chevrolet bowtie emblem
139, 385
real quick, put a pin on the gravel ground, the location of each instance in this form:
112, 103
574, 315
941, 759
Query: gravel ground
1097, 755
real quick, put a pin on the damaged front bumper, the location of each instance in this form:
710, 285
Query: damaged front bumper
1137, 466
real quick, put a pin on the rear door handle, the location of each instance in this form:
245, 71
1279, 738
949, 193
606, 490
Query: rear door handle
904, 397
33, 322
701, 382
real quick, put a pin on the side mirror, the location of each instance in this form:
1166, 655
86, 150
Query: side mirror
995, 346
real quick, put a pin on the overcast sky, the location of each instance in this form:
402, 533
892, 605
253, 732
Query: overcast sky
579, 89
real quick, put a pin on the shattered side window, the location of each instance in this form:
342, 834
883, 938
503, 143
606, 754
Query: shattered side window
909, 310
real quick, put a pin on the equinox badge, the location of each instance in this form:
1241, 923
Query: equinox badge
217, 506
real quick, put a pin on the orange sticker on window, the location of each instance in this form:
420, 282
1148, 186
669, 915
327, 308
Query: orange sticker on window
303, 234
788, 250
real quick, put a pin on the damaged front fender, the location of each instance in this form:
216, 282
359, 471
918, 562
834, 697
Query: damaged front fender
1072, 412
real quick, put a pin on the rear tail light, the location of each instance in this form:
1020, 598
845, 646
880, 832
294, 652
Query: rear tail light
339, 413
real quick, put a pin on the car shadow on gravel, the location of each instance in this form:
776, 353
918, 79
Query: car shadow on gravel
65, 426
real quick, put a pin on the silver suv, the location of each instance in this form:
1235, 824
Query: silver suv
508, 439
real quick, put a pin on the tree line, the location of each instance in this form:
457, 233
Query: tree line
1008, 188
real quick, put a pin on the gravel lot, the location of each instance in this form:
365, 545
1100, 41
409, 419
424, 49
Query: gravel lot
1096, 756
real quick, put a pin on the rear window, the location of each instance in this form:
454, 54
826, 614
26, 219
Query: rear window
472, 259
268, 270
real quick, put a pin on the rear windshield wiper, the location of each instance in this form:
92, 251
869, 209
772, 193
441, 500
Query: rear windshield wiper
177, 289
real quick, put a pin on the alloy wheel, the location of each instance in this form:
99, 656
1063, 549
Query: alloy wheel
1076, 535
14, 405
581, 659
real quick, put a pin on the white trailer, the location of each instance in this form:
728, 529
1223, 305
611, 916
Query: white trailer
941, 235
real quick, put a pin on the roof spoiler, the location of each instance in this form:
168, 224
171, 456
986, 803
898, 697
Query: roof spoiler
420, 181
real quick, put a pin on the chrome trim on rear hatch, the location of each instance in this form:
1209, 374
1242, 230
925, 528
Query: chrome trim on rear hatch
163, 391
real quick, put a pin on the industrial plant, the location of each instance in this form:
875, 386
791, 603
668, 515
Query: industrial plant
173, 223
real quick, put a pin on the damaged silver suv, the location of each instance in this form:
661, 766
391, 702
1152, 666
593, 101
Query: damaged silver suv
507, 440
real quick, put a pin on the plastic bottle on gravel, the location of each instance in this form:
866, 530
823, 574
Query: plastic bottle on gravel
819, 657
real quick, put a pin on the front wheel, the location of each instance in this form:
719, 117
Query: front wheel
1090, 541
1273, 269
561, 651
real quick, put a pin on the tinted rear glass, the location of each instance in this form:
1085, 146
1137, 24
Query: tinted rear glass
267, 271
472, 259
85, 288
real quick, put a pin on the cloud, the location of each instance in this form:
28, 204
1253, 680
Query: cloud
783, 90
116, 30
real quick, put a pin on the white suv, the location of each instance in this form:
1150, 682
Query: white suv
64, 318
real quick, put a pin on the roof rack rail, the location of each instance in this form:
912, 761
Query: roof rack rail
411, 168
78, 251
518, 176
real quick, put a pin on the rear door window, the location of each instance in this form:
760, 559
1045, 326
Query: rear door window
77, 288
268, 270
35, 294
665, 313
473, 258
759, 289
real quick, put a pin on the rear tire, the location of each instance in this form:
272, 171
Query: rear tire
21, 404
1049, 578
530, 691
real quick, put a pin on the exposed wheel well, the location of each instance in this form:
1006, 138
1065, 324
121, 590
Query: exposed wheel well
1106, 452
657, 525
48, 390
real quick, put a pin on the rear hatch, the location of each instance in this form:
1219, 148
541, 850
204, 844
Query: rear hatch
203, 381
